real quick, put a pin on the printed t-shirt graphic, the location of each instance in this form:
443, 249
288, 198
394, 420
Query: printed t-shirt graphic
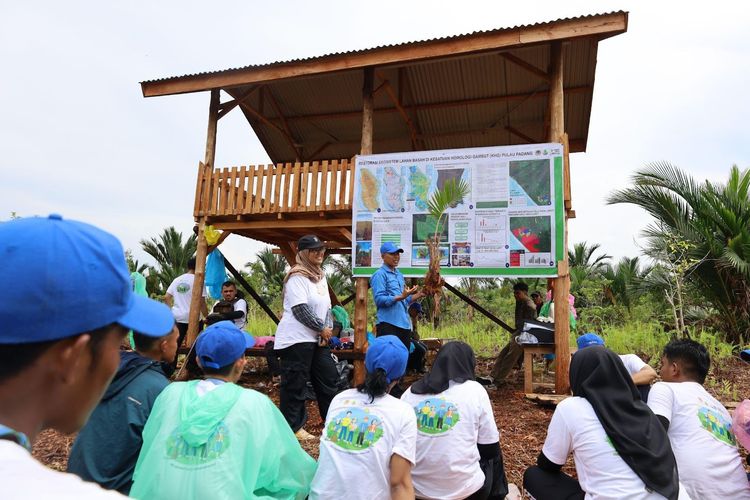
355, 428
702, 440
436, 415
359, 438
450, 425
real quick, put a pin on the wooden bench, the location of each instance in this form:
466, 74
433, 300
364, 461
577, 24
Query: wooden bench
529, 350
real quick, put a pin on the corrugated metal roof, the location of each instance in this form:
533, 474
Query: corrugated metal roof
455, 100
380, 47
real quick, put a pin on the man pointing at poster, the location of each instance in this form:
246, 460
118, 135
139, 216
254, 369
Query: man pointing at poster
392, 298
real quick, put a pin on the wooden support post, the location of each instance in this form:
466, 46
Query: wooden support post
562, 282
202, 250
361, 284
360, 325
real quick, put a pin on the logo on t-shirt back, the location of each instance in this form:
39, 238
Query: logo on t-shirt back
182, 452
436, 416
183, 288
717, 424
354, 429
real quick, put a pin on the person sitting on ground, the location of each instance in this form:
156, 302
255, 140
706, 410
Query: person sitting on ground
513, 352
620, 448
417, 351
699, 427
460, 459
369, 438
213, 439
56, 363
642, 373
106, 449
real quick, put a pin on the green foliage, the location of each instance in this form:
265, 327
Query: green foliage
267, 274
452, 192
701, 237
171, 254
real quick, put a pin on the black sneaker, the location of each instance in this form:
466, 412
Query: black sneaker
484, 380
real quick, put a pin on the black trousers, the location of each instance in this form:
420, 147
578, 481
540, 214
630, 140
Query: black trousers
299, 363
545, 485
416, 358
388, 329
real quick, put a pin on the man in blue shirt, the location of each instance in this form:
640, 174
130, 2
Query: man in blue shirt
392, 298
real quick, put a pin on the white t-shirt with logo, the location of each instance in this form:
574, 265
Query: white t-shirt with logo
601, 472
633, 364
700, 431
450, 425
358, 441
181, 290
300, 290
23, 478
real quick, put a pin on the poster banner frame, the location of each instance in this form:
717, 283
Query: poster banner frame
558, 216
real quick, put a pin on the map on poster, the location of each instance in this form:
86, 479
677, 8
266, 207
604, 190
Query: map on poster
510, 223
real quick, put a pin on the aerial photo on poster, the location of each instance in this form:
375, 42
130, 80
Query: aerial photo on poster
504, 226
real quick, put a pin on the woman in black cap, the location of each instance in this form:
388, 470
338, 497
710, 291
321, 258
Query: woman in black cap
304, 326
620, 448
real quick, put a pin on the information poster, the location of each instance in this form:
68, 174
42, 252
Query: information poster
509, 224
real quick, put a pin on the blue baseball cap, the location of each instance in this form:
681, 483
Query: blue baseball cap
222, 344
745, 355
76, 278
589, 339
416, 306
389, 354
389, 247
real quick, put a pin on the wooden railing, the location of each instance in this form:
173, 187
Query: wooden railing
319, 186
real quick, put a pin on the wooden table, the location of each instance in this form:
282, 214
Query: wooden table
529, 350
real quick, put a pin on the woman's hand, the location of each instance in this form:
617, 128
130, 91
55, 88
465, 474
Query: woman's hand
326, 333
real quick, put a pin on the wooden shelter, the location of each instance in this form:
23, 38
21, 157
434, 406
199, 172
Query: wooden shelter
525, 84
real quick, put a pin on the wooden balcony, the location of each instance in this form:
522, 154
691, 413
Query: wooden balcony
279, 203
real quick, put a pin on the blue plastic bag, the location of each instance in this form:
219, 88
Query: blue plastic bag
216, 274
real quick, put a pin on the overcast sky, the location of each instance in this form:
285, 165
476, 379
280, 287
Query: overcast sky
78, 138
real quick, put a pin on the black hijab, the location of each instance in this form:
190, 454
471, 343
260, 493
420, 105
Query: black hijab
455, 361
597, 374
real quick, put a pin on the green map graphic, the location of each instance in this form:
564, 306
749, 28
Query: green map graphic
532, 177
420, 187
423, 226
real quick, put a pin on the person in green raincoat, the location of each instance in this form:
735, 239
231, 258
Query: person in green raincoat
214, 439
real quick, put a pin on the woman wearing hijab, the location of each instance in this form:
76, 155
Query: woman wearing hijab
620, 448
458, 449
304, 326
369, 439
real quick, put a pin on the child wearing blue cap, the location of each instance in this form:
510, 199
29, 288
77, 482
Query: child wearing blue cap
369, 439
213, 439
56, 363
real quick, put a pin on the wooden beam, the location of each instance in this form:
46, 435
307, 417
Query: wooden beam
520, 134
282, 224
360, 325
196, 297
439, 105
367, 107
228, 106
394, 98
287, 131
271, 124
598, 26
562, 282
525, 65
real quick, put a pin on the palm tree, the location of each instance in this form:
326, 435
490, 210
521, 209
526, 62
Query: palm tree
582, 256
701, 234
624, 280
472, 286
271, 268
171, 254
339, 274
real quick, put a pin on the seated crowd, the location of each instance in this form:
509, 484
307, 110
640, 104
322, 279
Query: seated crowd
210, 438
